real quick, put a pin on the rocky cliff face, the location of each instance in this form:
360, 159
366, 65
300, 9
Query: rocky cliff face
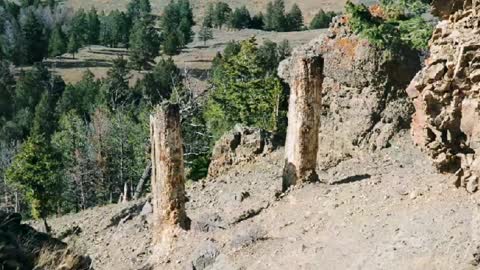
363, 94
446, 97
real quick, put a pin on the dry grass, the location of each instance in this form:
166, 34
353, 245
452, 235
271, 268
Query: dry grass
195, 59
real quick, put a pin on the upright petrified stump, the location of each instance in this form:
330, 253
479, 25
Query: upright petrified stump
168, 178
305, 78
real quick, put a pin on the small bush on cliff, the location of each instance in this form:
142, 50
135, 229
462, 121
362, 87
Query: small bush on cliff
400, 25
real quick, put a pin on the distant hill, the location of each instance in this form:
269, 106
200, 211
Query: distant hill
309, 7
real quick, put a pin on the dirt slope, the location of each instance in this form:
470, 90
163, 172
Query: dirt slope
387, 210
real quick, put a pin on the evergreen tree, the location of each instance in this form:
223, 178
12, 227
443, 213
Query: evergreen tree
257, 21
209, 16
185, 32
177, 20
45, 119
115, 90
144, 44
221, 14
57, 44
7, 91
243, 92
205, 34
171, 45
93, 24
81, 97
275, 18
80, 27
240, 18
158, 85
74, 44
78, 162
35, 171
322, 19
138, 9
34, 39
295, 19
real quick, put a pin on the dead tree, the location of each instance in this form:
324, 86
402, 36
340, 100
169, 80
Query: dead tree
168, 177
305, 78
141, 184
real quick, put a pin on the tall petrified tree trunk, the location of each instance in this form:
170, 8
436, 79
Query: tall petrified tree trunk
168, 179
305, 78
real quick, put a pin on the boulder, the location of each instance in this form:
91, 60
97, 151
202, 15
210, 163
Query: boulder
242, 144
446, 95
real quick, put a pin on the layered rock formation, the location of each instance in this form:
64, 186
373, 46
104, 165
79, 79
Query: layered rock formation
446, 94
363, 98
23, 248
241, 144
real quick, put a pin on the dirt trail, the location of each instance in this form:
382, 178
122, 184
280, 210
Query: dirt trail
387, 210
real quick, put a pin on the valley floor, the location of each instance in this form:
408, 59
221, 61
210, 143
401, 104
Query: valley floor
386, 210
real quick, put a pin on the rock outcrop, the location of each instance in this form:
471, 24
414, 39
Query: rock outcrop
241, 144
23, 248
168, 177
446, 95
363, 97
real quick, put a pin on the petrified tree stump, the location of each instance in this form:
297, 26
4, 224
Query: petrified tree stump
168, 178
305, 78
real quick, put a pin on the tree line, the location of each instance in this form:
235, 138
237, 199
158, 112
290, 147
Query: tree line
34, 30
275, 18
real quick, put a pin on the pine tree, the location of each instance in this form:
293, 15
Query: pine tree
35, 48
275, 18
144, 44
243, 92
209, 16
240, 18
138, 9
74, 44
221, 14
171, 45
115, 90
295, 19
322, 19
35, 171
7, 91
57, 44
93, 24
45, 118
205, 34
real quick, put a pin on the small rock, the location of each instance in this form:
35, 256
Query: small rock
204, 256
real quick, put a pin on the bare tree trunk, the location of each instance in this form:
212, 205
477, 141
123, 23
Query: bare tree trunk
143, 180
168, 178
46, 227
301, 146
125, 193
